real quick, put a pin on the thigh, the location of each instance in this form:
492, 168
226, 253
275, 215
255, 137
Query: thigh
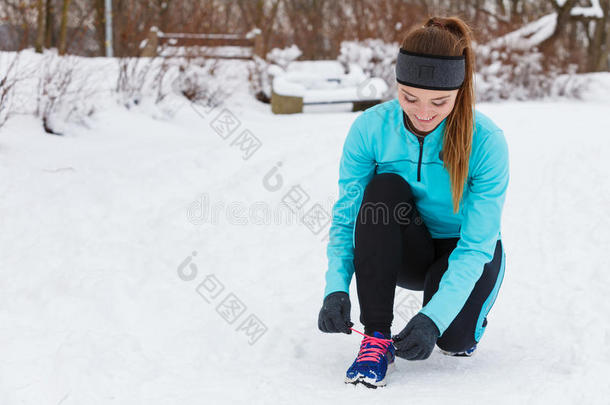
469, 325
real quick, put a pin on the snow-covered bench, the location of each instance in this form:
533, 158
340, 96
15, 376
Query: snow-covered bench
323, 82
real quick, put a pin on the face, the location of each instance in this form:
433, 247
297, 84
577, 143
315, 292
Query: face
426, 108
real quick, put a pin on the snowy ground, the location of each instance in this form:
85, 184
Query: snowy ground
98, 303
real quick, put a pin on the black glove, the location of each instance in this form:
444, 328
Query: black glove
334, 315
416, 341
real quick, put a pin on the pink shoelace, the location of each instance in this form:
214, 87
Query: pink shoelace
377, 347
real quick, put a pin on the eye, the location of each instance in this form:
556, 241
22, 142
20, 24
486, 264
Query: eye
435, 104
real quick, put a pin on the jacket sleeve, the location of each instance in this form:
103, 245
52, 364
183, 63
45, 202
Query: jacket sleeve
356, 168
479, 232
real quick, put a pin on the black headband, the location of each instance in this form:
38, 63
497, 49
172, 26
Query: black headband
431, 72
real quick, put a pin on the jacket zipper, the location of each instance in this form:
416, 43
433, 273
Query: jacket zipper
421, 152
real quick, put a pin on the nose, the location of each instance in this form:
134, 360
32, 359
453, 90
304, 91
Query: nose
427, 109
425, 113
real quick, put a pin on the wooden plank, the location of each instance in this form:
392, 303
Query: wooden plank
186, 41
342, 102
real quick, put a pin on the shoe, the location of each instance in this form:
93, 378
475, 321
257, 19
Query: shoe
467, 353
370, 367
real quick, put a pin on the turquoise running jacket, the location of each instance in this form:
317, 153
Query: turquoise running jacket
378, 142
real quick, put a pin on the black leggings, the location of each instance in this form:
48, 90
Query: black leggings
393, 247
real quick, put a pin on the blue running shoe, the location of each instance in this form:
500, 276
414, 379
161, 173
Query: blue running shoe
467, 353
370, 367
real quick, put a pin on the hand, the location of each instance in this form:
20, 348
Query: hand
334, 316
416, 341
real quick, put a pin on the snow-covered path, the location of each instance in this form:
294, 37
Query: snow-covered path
98, 303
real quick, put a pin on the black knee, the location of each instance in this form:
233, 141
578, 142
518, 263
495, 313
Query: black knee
384, 186
387, 199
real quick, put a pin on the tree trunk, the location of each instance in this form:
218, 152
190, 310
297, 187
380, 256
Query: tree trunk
563, 18
163, 18
50, 19
40, 29
100, 22
63, 27
603, 64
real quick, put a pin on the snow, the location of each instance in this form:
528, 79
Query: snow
375, 57
283, 57
528, 36
534, 33
209, 51
594, 10
99, 224
325, 81
321, 68
285, 86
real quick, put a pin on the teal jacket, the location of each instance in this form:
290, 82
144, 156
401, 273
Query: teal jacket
378, 142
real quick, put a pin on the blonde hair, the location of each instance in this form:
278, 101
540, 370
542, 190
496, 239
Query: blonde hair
451, 36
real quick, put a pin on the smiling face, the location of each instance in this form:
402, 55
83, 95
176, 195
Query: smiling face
426, 108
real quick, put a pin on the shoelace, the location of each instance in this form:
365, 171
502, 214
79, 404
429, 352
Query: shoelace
376, 347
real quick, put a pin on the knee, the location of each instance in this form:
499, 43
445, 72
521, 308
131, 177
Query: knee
385, 185
387, 199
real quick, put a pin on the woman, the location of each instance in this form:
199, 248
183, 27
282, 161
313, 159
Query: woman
422, 183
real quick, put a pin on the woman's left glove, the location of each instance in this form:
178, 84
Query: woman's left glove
416, 341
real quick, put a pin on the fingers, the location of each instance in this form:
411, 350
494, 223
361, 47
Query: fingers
324, 323
333, 322
345, 315
413, 342
405, 332
321, 325
346, 321
425, 354
338, 323
407, 350
334, 317
413, 352
328, 328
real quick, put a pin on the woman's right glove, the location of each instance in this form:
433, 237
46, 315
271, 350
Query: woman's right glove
416, 341
334, 316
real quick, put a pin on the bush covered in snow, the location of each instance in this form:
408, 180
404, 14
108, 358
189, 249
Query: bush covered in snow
513, 67
283, 57
159, 81
68, 89
138, 78
8, 79
197, 82
65, 93
375, 57
515, 74
262, 71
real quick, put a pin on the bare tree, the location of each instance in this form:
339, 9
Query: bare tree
40, 29
260, 14
317, 27
49, 37
63, 26
100, 21
563, 17
596, 29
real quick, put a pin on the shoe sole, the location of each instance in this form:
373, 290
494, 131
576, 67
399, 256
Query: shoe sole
360, 379
463, 354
